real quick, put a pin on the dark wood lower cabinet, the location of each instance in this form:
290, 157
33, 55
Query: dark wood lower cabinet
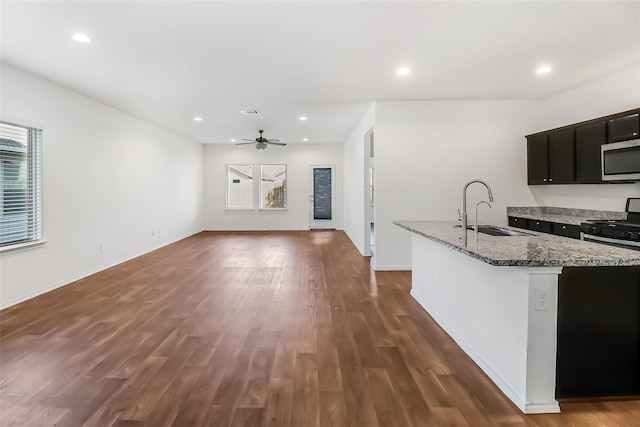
518, 222
566, 230
541, 226
598, 332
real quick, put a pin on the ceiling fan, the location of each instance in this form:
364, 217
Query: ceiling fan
261, 142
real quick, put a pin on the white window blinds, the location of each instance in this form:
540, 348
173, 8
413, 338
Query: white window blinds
239, 186
20, 184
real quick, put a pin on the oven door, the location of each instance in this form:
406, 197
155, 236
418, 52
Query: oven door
628, 244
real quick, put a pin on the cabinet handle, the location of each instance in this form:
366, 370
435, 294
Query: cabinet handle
545, 179
550, 179
564, 227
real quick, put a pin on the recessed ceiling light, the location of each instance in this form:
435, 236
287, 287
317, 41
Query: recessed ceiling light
232, 140
544, 69
197, 119
303, 118
81, 38
403, 71
305, 139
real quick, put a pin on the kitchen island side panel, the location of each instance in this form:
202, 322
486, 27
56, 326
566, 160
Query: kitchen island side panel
490, 312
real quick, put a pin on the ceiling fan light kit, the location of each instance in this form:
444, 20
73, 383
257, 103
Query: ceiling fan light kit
261, 142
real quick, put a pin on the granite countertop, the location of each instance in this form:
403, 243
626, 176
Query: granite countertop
563, 215
533, 250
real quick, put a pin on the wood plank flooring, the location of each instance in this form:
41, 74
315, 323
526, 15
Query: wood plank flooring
250, 329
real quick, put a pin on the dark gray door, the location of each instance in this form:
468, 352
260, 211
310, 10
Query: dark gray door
322, 197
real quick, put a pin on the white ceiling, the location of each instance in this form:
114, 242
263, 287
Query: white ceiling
169, 61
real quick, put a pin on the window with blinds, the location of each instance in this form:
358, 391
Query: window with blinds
20, 185
239, 186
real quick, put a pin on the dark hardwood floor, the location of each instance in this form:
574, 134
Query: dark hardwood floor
250, 329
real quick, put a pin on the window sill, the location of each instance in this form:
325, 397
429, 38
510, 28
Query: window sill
22, 246
252, 209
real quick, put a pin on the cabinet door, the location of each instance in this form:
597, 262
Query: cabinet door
624, 128
598, 350
566, 230
537, 159
518, 222
541, 226
589, 139
562, 169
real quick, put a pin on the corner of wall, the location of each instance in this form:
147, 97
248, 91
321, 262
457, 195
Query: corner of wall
353, 179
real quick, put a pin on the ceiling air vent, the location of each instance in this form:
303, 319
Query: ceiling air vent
250, 111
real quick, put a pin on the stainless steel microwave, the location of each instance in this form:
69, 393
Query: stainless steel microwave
621, 161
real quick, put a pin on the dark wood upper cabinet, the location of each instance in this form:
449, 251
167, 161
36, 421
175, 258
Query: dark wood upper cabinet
589, 139
571, 154
551, 158
562, 169
624, 128
537, 159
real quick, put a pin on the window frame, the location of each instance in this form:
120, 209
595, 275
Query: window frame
34, 197
228, 188
261, 194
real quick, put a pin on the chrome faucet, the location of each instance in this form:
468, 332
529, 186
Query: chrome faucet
464, 206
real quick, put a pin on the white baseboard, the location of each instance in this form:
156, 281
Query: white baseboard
392, 267
86, 274
541, 408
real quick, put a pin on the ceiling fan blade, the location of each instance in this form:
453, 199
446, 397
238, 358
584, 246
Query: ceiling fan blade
273, 140
245, 139
244, 143
275, 143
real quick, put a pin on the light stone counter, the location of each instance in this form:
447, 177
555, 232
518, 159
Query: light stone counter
533, 250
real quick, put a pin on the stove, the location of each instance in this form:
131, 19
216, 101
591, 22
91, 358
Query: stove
622, 233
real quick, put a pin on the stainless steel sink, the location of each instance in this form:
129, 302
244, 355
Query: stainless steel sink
497, 231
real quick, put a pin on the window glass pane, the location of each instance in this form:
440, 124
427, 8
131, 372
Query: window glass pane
322, 193
20, 184
239, 186
273, 186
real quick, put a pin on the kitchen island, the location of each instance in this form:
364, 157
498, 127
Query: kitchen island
497, 297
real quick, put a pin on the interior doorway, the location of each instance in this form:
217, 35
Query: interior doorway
322, 199
369, 195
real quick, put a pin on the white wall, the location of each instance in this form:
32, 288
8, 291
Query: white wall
298, 157
615, 93
108, 178
426, 151
354, 214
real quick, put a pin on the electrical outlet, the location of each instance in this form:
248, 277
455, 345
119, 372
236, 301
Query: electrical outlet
153, 232
542, 296
101, 247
